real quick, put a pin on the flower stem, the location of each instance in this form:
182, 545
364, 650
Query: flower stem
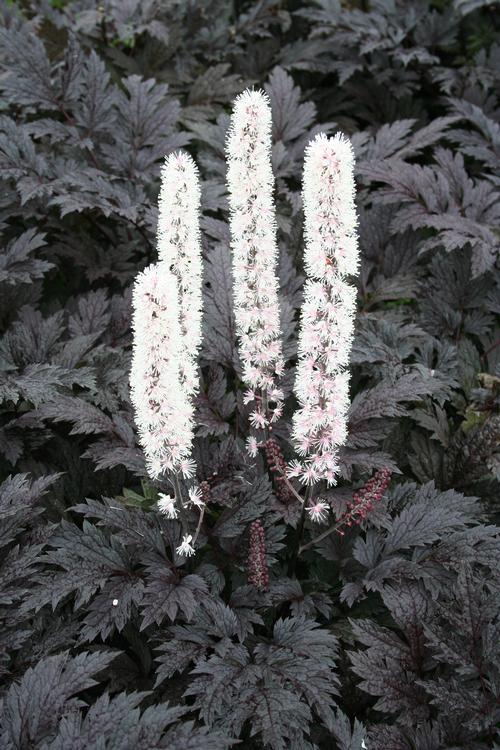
198, 527
178, 497
320, 537
290, 486
266, 412
300, 530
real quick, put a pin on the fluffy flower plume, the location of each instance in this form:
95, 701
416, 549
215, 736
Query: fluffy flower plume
179, 247
327, 319
163, 410
255, 253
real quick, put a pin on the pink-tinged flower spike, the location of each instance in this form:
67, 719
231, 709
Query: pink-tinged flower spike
255, 253
327, 317
179, 247
163, 411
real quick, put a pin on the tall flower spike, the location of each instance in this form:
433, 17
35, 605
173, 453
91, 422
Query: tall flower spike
327, 319
163, 410
255, 253
179, 247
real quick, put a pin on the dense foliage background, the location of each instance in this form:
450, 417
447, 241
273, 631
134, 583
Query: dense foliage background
387, 637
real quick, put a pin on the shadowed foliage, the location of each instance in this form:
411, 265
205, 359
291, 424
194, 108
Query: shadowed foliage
384, 636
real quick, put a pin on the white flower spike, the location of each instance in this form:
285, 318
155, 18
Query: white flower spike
163, 411
327, 317
179, 247
255, 252
167, 312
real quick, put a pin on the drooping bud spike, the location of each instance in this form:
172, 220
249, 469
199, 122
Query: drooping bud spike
258, 574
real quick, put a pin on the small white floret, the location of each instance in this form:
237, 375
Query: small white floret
166, 505
185, 549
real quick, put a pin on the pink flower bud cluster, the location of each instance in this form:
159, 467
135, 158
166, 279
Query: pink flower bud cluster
255, 254
327, 317
206, 492
258, 574
277, 464
363, 500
